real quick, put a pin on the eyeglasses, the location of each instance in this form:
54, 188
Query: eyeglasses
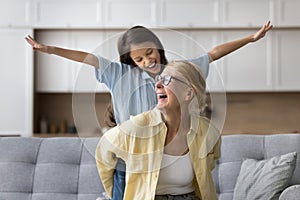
167, 79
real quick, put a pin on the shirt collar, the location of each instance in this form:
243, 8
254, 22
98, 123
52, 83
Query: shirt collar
144, 125
194, 123
145, 75
156, 117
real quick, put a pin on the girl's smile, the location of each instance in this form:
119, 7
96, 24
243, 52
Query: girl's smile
146, 57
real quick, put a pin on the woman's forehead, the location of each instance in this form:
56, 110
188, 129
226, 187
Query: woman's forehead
143, 45
170, 70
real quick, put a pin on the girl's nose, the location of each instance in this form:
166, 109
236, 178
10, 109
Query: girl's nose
147, 61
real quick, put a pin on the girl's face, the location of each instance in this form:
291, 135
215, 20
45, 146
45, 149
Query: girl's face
171, 90
146, 57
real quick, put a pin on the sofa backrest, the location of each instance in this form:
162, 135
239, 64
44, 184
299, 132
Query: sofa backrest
50, 168
235, 148
65, 168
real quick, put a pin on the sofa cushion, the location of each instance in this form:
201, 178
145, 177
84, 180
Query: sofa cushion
264, 179
49, 168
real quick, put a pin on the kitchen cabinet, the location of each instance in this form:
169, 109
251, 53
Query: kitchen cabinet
124, 14
57, 74
53, 73
287, 13
16, 13
174, 50
245, 13
286, 62
190, 13
249, 68
81, 14
83, 76
16, 83
68, 13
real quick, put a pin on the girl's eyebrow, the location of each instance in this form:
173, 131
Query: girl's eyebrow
149, 48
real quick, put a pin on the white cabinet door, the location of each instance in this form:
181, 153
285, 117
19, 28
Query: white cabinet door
189, 13
287, 13
124, 14
175, 43
68, 13
57, 74
245, 13
286, 52
53, 73
15, 13
16, 83
249, 68
83, 76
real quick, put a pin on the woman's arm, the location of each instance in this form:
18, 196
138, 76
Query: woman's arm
78, 56
226, 48
106, 161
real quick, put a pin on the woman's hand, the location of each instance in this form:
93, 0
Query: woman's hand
37, 46
262, 31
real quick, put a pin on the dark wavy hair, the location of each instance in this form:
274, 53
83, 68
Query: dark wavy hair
137, 35
133, 36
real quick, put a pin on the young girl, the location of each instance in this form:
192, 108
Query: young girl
131, 81
169, 151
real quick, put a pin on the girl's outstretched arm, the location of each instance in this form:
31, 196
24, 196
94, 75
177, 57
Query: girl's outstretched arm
226, 48
78, 56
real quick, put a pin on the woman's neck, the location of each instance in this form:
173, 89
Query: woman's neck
178, 125
177, 122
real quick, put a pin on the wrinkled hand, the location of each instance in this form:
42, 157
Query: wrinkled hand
262, 31
35, 45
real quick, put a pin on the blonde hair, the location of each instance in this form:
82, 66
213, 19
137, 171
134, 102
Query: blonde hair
194, 76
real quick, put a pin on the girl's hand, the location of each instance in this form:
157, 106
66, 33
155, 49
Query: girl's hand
262, 32
36, 46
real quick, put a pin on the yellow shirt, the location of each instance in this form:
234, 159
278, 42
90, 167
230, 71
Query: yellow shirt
140, 143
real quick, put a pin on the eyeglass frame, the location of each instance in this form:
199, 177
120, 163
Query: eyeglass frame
167, 81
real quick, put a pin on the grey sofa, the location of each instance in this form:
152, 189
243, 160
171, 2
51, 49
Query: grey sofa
64, 168
48, 169
235, 148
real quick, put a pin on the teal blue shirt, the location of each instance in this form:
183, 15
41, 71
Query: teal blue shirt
132, 89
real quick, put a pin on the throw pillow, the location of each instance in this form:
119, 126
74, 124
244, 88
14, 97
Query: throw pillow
264, 179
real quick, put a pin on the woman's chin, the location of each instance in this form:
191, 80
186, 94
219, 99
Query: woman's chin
160, 106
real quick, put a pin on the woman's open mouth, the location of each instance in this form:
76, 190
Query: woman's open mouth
162, 96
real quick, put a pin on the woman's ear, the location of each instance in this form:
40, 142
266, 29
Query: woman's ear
190, 94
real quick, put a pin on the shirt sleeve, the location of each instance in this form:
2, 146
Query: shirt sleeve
203, 63
106, 161
110, 72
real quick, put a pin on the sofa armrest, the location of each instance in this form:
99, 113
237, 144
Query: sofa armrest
290, 193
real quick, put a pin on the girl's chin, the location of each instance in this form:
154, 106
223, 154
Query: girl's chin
156, 70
